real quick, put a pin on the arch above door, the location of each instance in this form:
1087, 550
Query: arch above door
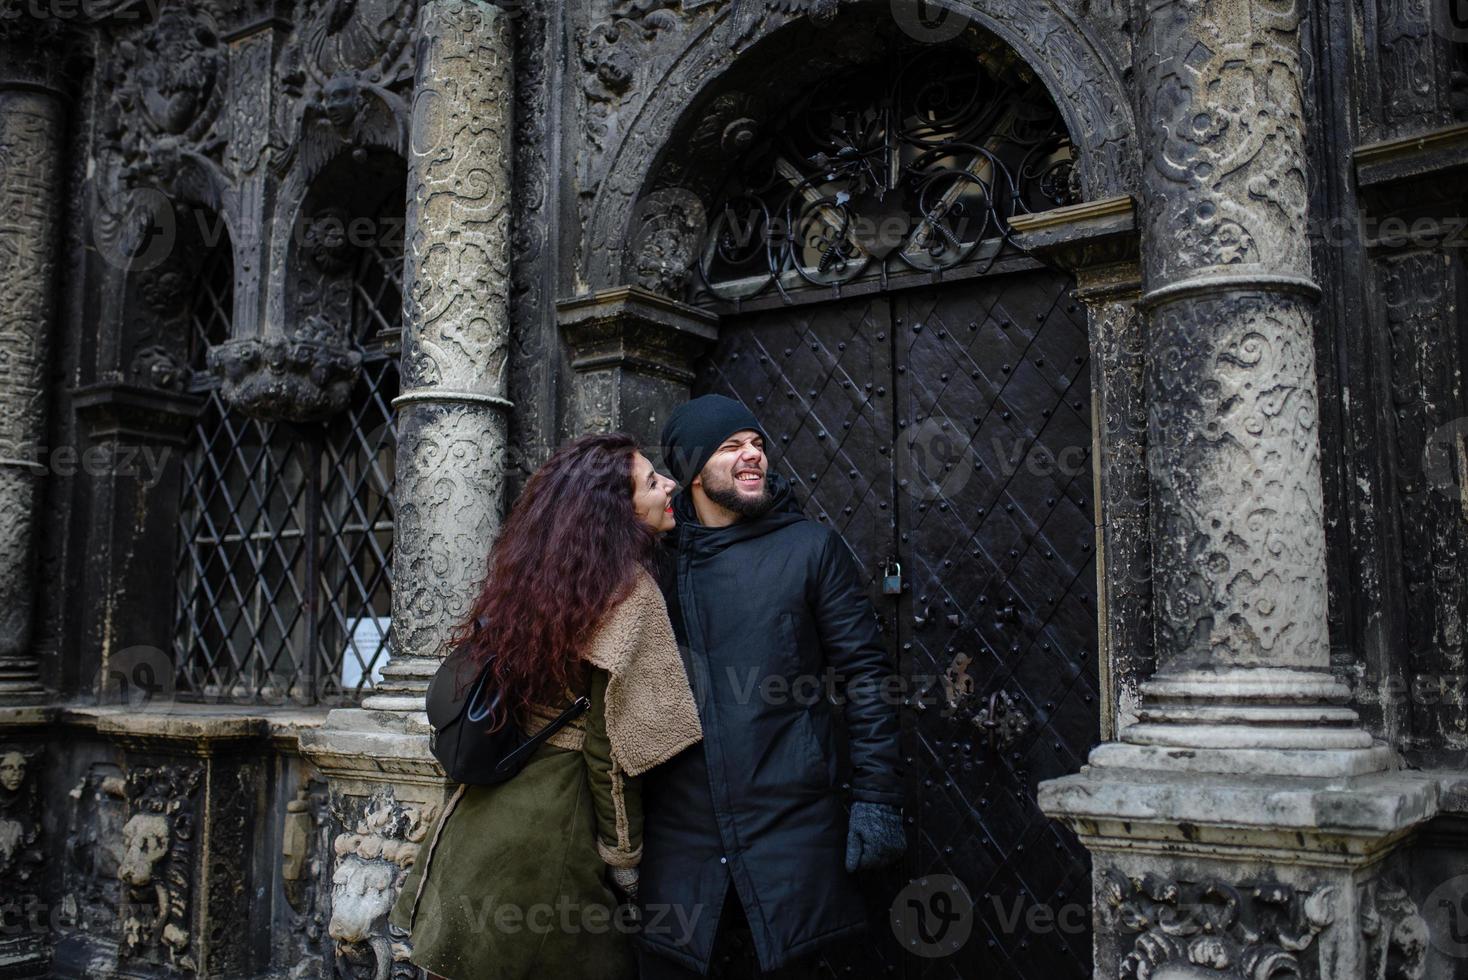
671, 126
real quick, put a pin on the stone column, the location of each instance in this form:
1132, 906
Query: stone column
1238, 534
386, 787
1244, 824
32, 132
456, 329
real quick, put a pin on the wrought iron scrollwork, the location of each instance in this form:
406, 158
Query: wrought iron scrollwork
915, 166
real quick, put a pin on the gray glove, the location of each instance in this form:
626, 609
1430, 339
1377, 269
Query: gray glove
875, 838
625, 880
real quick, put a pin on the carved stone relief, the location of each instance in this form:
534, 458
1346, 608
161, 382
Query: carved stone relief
156, 868
371, 861
20, 819
1396, 934
305, 872
1238, 373
1184, 930
92, 890
1422, 327
1226, 138
452, 429
534, 362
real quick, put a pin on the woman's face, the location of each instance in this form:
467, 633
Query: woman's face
652, 495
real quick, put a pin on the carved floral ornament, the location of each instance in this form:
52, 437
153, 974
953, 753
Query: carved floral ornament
1209, 930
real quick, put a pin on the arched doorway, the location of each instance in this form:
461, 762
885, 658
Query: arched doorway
927, 388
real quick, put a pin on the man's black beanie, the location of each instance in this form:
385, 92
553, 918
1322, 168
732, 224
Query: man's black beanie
699, 427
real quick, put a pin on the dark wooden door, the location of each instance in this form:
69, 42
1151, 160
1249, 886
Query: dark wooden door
947, 428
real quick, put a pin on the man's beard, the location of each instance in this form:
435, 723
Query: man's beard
727, 496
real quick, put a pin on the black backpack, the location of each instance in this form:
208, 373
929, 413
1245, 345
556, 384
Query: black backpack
460, 703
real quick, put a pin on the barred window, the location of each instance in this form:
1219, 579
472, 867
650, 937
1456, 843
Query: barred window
285, 531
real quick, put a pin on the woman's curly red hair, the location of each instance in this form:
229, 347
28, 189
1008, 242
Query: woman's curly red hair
569, 551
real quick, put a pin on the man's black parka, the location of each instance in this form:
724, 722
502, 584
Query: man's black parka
764, 610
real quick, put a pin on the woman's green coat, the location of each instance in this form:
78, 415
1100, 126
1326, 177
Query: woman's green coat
511, 882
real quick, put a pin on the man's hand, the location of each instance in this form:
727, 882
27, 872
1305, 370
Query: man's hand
625, 881
875, 838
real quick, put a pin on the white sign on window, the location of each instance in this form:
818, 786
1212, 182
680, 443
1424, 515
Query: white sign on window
368, 638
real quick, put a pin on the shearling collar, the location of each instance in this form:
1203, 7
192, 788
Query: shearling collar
650, 712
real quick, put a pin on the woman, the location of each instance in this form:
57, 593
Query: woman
513, 880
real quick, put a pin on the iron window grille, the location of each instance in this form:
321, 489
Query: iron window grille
284, 564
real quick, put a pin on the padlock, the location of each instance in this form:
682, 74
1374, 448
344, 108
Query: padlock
892, 579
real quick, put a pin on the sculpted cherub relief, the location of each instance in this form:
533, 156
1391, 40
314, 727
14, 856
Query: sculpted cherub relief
20, 813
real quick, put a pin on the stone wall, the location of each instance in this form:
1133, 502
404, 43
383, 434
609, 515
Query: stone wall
166, 839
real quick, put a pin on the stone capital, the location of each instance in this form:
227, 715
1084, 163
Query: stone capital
135, 413
633, 353
1098, 242
631, 328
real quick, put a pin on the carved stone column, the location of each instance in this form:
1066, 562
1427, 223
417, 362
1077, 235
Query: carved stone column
32, 133
385, 784
456, 331
1238, 534
633, 352
1242, 825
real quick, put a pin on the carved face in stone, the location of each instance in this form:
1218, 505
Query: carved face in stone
12, 770
145, 839
361, 895
340, 99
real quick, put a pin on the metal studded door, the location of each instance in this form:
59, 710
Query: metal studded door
946, 429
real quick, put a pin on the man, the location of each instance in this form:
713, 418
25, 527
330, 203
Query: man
746, 839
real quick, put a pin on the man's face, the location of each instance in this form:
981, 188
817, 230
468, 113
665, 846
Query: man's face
734, 476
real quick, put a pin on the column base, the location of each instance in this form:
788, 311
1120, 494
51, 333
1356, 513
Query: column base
386, 793
1262, 721
403, 689
1199, 874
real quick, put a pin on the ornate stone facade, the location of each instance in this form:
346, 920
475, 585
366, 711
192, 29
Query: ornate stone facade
1263, 227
